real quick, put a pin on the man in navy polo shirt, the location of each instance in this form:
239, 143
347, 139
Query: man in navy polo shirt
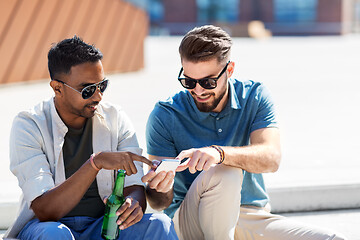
225, 133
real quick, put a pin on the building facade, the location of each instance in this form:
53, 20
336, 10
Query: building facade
281, 17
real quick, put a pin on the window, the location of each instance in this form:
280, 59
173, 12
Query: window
155, 9
217, 11
295, 10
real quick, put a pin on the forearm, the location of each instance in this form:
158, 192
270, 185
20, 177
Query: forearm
138, 193
257, 158
158, 200
57, 202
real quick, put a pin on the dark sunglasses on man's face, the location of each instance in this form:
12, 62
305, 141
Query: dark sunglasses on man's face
207, 83
89, 90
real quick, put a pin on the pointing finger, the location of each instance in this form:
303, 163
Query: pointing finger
185, 154
183, 166
142, 159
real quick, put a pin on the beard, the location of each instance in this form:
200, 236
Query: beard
85, 111
208, 106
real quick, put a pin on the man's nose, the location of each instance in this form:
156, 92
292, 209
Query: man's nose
198, 89
98, 94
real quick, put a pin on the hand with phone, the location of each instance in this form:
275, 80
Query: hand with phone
161, 178
167, 165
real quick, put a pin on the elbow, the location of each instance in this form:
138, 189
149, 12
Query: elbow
276, 159
158, 205
46, 213
45, 216
158, 201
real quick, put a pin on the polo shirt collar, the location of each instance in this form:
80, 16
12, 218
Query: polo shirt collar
234, 100
234, 103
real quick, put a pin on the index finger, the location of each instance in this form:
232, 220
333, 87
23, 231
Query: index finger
143, 159
185, 154
182, 166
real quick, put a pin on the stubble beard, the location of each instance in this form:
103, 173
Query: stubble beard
208, 106
85, 112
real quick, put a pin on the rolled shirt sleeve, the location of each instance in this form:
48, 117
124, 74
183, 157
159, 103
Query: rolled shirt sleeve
28, 161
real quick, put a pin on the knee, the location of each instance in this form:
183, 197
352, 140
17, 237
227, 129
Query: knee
227, 176
160, 220
162, 225
54, 230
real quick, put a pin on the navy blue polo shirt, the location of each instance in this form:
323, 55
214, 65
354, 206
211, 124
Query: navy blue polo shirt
176, 124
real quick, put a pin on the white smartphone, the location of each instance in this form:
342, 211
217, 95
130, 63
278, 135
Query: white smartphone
168, 165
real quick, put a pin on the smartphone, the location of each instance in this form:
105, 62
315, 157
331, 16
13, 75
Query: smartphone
167, 165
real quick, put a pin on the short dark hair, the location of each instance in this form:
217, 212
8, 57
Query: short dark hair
70, 52
205, 43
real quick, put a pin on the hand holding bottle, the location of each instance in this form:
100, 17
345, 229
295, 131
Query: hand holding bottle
129, 213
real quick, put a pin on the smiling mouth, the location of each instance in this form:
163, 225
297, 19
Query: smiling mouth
92, 106
202, 98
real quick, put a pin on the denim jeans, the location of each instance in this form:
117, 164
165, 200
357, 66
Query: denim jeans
151, 226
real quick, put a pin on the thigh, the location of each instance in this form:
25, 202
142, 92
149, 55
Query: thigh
257, 224
36, 230
211, 206
151, 226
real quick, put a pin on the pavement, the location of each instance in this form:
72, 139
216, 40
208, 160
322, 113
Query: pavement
315, 85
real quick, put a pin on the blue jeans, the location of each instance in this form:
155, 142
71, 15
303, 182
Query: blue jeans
151, 226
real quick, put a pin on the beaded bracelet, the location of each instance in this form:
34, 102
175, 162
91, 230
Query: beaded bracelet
92, 162
221, 151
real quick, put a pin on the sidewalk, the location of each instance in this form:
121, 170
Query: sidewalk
315, 84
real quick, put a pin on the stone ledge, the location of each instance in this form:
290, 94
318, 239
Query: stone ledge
283, 199
314, 198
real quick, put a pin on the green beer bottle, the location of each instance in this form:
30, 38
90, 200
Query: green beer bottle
110, 229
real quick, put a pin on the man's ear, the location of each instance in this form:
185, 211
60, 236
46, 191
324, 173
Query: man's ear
230, 69
56, 86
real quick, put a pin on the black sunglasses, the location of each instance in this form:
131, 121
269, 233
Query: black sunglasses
88, 91
207, 83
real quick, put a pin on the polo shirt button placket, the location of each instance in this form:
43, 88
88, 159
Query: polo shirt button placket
219, 129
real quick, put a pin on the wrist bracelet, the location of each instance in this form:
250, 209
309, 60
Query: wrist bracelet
92, 162
221, 151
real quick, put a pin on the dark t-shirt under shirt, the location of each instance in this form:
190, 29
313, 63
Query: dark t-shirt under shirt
77, 150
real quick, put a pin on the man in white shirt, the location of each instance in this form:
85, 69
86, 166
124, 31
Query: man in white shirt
65, 152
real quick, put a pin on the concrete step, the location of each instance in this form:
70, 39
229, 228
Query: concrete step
314, 198
344, 221
283, 199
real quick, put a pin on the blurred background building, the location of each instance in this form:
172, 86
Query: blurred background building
119, 27
316, 76
280, 17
